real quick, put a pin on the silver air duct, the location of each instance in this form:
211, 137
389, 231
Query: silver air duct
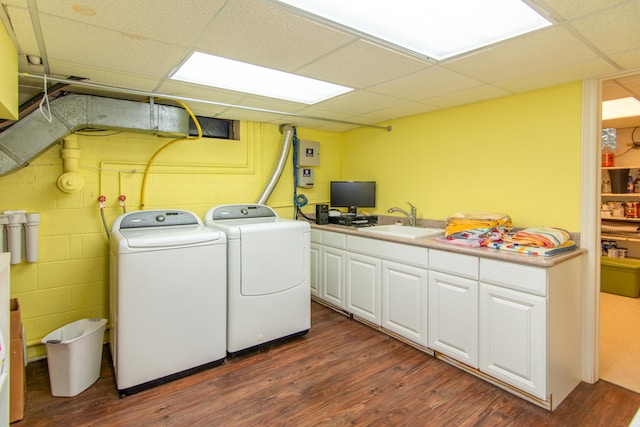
31, 136
287, 137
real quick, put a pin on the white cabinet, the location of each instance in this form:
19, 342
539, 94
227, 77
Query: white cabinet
453, 316
530, 327
328, 267
453, 305
333, 275
363, 278
404, 300
315, 263
517, 324
403, 277
315, 268
513, 338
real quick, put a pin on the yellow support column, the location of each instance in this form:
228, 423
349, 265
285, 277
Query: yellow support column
8, 77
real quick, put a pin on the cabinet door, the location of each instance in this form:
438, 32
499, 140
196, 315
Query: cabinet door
404, 301
513, 338
315, 269
453, 316
363, 288
332, 289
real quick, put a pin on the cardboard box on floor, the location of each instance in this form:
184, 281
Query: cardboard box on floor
17, 375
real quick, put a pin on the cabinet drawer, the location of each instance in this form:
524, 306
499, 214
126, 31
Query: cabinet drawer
515, 276
336, 240
457, 264
407, 254
316, 236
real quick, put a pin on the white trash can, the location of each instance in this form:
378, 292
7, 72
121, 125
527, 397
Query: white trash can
74, 356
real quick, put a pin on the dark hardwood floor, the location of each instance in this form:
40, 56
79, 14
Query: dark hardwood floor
341, 373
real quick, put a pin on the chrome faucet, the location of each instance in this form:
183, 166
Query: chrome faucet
412, 216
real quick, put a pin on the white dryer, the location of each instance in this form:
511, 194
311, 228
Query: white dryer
168, 297
269, 296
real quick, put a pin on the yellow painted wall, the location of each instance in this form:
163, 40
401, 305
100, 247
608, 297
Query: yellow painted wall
70, 280
519, 154
8, 77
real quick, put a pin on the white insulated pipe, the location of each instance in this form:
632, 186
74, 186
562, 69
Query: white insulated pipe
287, 138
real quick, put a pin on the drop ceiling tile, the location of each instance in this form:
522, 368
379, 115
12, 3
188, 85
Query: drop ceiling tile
79, 43
322, 113
362, 64
177, 23
571, 9
466, 96
263, 102
629, 60
327, 125
361, 101
207, 110
538, 52
403, 110
433, 81
193, 91
261, 33
255, 116
18, 3
613, 31
104, 77
23, 30
593, 68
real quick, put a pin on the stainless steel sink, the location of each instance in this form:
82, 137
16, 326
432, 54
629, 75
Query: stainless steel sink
403, 231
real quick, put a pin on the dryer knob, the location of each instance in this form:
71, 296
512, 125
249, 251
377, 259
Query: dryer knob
244, 211
160, 218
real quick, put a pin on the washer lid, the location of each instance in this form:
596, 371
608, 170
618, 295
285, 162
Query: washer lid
177, 235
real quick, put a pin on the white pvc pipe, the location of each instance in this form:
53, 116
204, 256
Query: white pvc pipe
31, 236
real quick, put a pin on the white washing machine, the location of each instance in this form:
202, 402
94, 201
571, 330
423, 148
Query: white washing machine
269, 296
168, 297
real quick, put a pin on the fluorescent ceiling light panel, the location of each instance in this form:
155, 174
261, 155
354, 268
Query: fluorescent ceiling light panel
436, 29
623, 107
215, 71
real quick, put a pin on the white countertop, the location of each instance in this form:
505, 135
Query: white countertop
534, 260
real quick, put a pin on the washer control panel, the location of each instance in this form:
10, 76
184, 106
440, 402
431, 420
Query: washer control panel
158, 219
241, 211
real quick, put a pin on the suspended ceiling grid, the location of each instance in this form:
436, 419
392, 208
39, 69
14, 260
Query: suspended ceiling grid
138, 44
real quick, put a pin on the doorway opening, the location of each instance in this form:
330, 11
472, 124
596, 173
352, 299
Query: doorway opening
619, 334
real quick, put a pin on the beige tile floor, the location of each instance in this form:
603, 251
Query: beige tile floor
620, 340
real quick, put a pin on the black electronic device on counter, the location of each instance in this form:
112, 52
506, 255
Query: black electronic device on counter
322, 214
358, 220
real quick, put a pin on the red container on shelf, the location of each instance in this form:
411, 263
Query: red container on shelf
632, 209
607, 158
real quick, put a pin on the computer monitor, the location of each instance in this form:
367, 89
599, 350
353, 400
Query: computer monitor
353, 195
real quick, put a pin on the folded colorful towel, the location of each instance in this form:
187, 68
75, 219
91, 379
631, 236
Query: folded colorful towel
531, 250
469, 243
540, 237
476, 224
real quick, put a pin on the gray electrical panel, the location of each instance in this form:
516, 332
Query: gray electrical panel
308, 153
305, 177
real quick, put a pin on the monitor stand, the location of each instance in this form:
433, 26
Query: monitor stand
353, 210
